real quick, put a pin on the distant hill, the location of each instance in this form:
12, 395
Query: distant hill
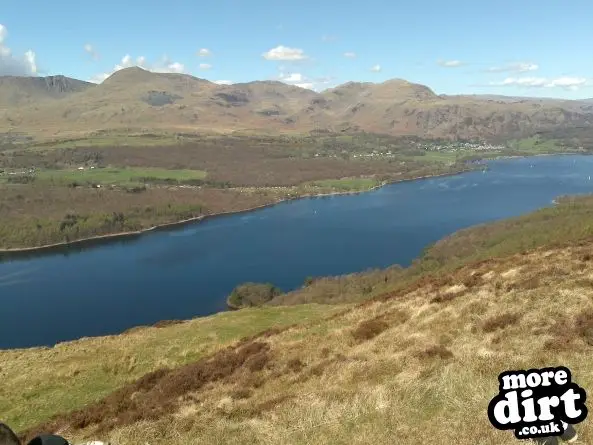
136, 98
16, 91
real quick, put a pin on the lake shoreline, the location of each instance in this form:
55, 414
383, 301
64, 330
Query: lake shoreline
14, 253
472, 170
496, 158
102, 239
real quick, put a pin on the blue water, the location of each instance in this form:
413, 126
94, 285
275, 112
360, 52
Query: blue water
188, 272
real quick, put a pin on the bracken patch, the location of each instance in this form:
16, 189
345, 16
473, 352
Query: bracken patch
295, 365
156, 394
445, 297
369, 329
435, 351
241, 393
167, 323
500, 321
583, 325
472, 281
268, 405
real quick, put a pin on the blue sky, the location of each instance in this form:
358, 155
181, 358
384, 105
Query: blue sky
518, 47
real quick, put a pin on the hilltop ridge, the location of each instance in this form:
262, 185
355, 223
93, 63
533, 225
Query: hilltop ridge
137, 98
16, 91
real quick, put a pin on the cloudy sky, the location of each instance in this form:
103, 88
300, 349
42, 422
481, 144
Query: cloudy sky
511, 47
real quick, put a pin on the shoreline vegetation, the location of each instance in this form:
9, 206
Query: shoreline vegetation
19, 252
249, 294
56, 197
14, 253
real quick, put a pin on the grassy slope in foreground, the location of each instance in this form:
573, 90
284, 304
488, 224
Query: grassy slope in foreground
410, 363
35, 380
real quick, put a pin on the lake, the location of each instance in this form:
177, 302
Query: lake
189, 271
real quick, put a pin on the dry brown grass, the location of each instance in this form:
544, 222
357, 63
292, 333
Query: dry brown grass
435, 351
415, 372
500, 321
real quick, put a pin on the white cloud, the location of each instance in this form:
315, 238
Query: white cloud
376, 68
11, 65
302, 81
170, 67
98, 78
91, 51
450, 63
163, 66
328, 38
284, 53
519, 67
204, 52
205, 66
293, 77
350, 55
127, 62
305, 85
569, 83
30, 59
223, 82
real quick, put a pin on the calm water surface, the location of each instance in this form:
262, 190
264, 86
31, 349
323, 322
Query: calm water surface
187, 272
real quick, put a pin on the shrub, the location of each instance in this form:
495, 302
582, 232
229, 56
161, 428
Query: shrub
252, 294
308, 281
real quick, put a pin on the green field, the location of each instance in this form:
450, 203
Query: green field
115, 176
115, 139
536, 145
345, 184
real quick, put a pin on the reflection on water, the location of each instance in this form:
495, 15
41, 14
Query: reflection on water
108, 286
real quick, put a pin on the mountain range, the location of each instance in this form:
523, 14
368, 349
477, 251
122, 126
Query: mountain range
139, 99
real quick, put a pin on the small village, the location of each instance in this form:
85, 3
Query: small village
416, 146
458, 146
